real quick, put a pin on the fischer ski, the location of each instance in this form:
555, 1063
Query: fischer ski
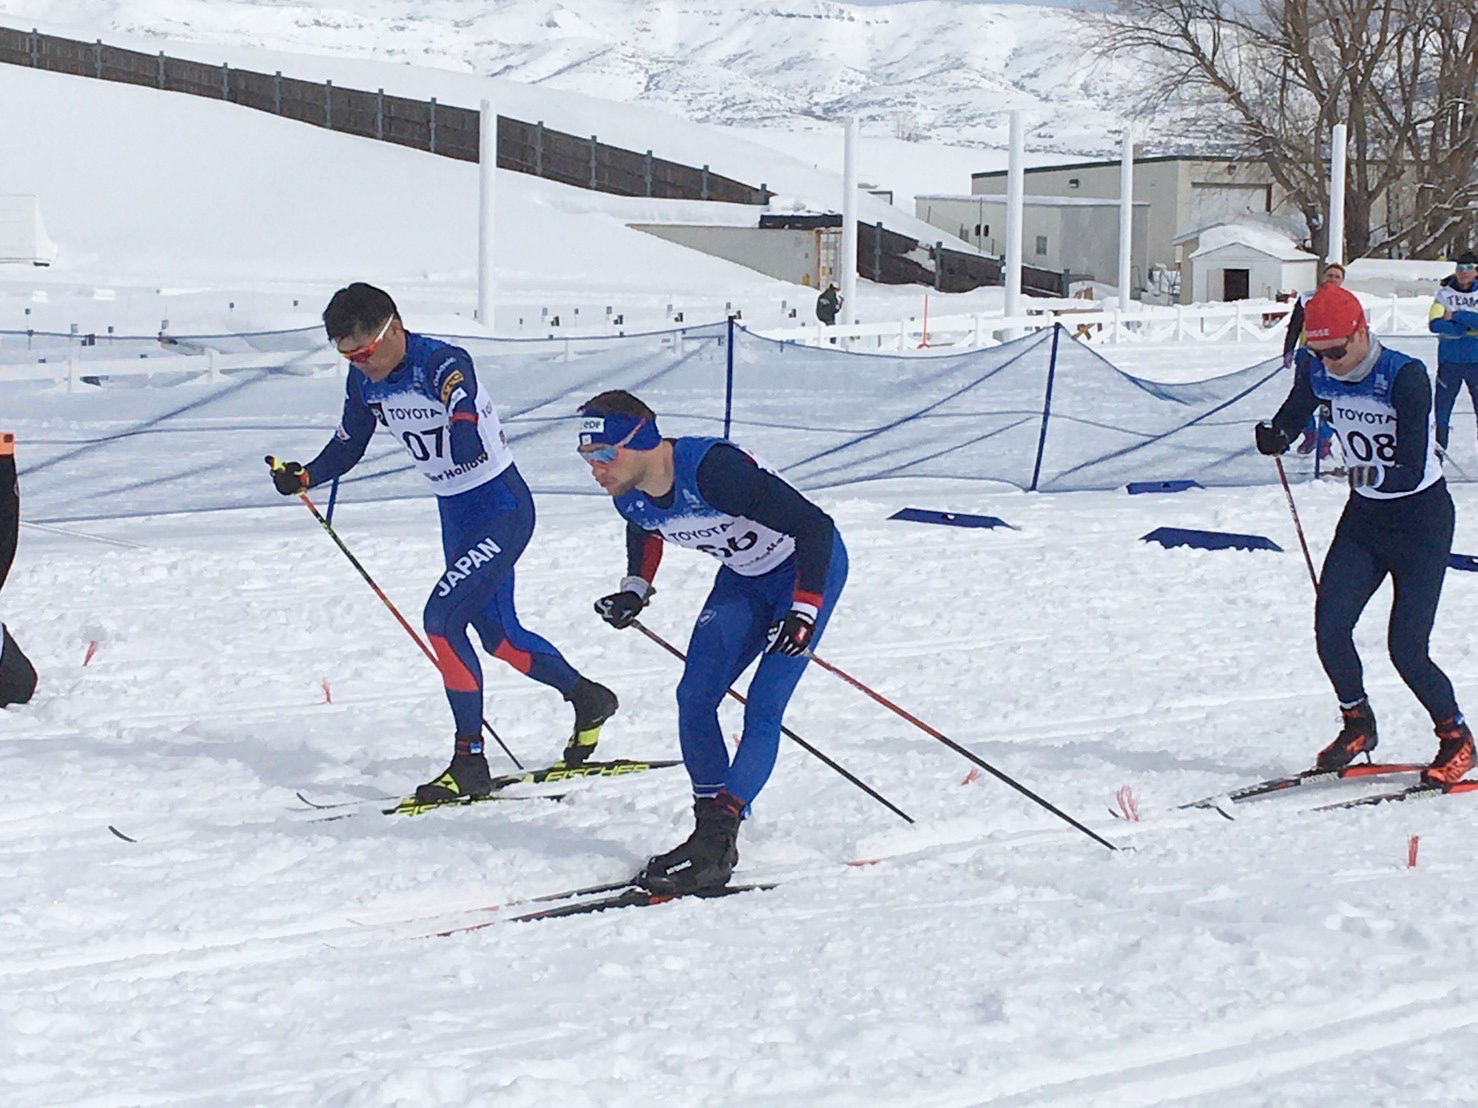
408, 806
1412, 792
1352, 772
620, 767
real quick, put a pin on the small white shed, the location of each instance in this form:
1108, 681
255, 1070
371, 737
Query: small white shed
1240, 261
22, 234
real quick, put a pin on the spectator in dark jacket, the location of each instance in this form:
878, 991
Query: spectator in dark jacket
1319, 429
828, 304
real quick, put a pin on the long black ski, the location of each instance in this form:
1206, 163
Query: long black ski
1272, 785
1413, 792
620, 894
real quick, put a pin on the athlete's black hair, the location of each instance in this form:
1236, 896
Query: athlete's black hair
617, 402
358, 309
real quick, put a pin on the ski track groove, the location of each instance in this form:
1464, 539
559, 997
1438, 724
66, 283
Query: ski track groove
1247, 1053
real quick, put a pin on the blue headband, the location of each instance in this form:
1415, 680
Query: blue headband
610, 428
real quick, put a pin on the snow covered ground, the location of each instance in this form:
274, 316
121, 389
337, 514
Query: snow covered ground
199, 669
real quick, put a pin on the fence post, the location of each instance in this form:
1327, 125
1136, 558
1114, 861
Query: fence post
648, 172
1395, 309
704, 194
592, 161
35, 48
225, 81
97, 59
539, 149
328, 104
432, 121
277, 93
1237, 321
380, 114
161, 69
877, 253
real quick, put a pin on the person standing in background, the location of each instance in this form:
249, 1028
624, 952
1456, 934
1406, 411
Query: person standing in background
1318, 430
1454, 320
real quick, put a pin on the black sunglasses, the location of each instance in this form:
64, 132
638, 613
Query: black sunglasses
1333, 354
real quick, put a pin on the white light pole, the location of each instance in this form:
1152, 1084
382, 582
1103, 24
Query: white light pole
848, 261
1126, 218
1015, 207
1336, 248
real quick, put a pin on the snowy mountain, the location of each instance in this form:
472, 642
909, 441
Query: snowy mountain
944, 70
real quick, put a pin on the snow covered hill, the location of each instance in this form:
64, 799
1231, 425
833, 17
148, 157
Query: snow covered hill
944, 70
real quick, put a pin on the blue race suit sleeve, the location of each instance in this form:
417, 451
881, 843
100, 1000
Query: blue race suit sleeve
1439, 326
730, 480
1468, 320
1411, 396
356, 427
454, 382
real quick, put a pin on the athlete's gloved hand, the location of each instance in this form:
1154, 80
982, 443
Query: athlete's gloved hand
1288, 359
467, 446
289, 477
620, 609
1270, 440
792, 635
1364, 476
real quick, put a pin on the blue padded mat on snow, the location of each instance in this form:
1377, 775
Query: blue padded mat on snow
1137, 487
1462, 561
948, 519
1208, 540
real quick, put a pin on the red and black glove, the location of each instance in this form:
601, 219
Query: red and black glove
289, 477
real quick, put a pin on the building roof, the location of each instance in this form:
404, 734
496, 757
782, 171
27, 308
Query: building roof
1263, 239
1138, 160
1038, 201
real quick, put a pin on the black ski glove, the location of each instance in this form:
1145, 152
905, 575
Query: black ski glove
792, 635
1270, 440
289, 477
620, 609
1364, 476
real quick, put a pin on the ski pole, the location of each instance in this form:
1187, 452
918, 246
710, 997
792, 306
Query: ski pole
409, 630
786, 731
958, 749
1297, 526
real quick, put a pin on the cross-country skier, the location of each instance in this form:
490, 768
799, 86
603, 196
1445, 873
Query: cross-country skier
1398, 521
782, 568
1318, 428
17, 675
427, 394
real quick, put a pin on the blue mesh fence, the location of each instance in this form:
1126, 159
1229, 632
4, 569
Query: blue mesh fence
1043, 413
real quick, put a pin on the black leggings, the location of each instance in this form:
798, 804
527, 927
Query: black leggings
1409, 538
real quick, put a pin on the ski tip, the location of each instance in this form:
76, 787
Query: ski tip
121, 835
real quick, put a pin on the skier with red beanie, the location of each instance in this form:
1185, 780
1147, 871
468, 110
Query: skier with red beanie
1398, 521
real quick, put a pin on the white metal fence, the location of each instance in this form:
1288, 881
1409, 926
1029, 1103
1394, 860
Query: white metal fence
1241, 321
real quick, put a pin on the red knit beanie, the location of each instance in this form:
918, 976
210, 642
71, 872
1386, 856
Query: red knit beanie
1332, 313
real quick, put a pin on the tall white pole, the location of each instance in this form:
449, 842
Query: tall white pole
487, 162
1336, 251
848, 261
1015, 207
1126, 218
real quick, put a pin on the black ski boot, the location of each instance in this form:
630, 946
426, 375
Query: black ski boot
467, 776
1358, 737
708, 857
594, 704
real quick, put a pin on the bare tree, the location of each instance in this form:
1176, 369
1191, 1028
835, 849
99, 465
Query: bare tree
1270, 78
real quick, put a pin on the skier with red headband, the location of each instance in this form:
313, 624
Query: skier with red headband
782, 568
1398, 521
